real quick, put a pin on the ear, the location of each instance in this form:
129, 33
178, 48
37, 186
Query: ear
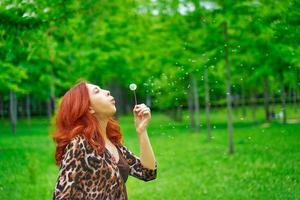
91, 110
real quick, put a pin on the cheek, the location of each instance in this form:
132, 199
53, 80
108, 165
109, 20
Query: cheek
98, 101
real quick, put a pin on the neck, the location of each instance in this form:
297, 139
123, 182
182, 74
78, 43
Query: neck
102, 127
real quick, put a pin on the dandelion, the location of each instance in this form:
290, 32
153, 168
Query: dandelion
133, 87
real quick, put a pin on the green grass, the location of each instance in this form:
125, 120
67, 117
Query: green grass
265, 165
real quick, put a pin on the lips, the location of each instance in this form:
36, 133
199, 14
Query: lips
113, 101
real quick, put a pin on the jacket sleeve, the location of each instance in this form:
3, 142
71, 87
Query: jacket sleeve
72, 170
136, 168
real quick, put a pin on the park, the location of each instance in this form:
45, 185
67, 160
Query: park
222, 80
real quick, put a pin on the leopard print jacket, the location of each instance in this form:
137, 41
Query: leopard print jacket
84, 174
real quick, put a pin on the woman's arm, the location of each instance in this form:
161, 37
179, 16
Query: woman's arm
142, 116
137, 169
146, 151
144, 168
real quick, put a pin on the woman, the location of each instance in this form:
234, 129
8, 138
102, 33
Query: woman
94, 163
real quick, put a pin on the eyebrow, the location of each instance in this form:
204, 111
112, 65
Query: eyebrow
97, 87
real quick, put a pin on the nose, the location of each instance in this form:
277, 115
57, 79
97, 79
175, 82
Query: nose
108, 93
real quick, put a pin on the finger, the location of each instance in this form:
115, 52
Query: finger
138, 107
141, 105
135, 107
143, 110
146, 112
137, 112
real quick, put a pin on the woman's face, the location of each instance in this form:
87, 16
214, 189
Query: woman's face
102, 103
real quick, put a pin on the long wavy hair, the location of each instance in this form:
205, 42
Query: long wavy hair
73, 118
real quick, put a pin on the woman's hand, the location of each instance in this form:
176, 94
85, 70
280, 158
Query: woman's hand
142, 116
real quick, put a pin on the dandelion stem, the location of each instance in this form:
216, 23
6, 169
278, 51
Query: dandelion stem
135, 97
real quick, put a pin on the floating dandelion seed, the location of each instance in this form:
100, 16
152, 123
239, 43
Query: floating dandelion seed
133, 87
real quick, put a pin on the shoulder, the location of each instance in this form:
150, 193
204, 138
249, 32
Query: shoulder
78, 142
75, 147
75, 151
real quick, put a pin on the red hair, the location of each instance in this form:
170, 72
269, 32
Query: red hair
73, 118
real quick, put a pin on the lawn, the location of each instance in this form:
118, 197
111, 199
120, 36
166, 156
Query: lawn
265, 165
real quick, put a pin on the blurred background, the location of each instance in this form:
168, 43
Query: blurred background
222, 79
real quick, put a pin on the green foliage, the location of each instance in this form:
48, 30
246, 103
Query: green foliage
47, 46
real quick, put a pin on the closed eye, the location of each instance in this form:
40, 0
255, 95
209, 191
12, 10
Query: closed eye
96, 90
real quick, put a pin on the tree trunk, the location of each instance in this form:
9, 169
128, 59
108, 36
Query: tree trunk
298, 96
244, 111
13, 110
20, 112
289, 97
179, 113
49, 107
295, 100
51, 101
228, 92
116, 91
127, 103
207, 104
297, 91
235, 103
171, 113
266, 98
196, 101
34, 108
253, 100
273, 110
1, 107
148, 100
190, 102
283, 100
40, 108
28, 111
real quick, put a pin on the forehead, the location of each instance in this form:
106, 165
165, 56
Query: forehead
91, 86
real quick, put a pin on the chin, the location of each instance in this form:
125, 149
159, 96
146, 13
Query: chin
114, 111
